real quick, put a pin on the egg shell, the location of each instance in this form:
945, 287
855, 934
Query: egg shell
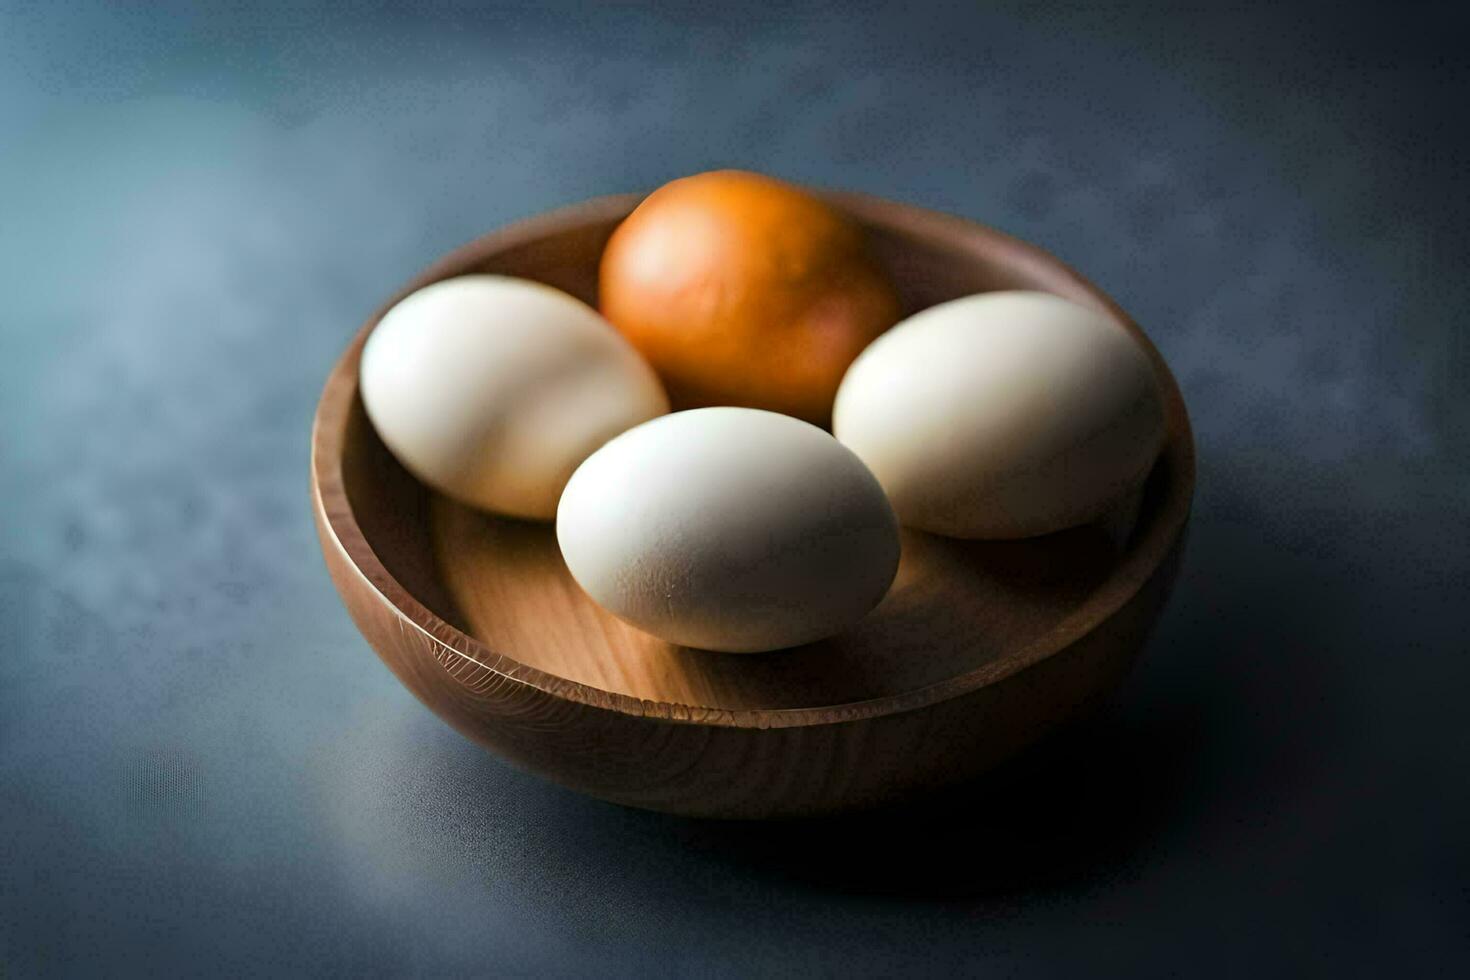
729, 529
1003, 415
493, 390
741, 289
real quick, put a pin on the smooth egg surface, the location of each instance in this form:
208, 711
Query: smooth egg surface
493, 390
1003, 415
729, 529
741, 289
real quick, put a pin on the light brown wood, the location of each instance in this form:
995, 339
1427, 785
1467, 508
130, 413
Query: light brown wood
979, 648
513, 592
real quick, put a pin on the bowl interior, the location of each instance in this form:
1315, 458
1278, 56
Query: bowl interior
959, 613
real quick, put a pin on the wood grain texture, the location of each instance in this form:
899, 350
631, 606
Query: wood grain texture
980, 647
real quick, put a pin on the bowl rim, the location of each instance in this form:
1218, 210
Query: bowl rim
338, 523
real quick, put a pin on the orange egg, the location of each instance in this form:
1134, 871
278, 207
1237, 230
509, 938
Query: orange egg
744, 290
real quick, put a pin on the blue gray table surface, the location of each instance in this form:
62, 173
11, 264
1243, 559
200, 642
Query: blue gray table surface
204, 769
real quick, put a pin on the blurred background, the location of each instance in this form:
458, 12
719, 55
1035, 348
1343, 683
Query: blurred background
204, 768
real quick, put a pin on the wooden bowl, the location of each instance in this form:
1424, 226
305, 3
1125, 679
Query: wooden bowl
978, 649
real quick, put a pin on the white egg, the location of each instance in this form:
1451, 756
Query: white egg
493, 390
1003, 415
729, 529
